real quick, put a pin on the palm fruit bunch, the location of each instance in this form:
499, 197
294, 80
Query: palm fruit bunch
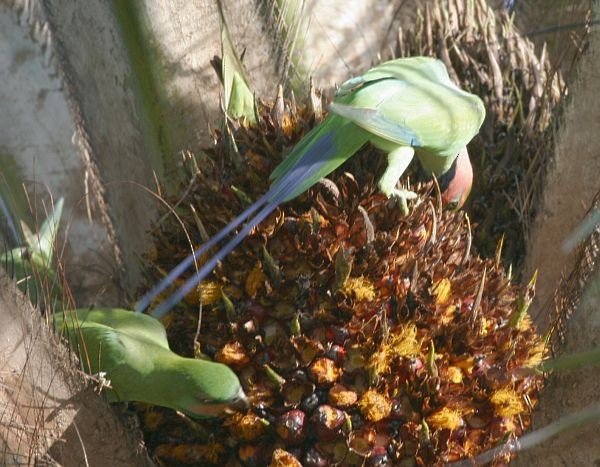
360, 336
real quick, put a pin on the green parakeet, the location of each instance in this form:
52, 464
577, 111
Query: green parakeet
133, 351
404, 107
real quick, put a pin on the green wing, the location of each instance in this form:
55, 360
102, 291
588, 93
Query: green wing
127, 361
95, 343
407, 69
136, 325
333, 142
413, 103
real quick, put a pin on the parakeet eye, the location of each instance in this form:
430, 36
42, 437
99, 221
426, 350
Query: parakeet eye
452, 205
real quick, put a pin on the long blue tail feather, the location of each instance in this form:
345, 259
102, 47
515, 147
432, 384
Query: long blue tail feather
207, 268
305, 168
143, 303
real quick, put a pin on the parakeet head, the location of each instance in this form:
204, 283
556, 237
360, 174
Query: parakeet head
211, 389
219, 408
457, 181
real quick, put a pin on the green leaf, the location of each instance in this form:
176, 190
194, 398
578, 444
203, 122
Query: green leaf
238, 99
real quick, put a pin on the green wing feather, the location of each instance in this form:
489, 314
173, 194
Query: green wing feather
100, 348
336, 140
413, 102
407, 69
135, 325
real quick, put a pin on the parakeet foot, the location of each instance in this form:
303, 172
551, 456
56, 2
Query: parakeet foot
102, 381
402, 196
398, 161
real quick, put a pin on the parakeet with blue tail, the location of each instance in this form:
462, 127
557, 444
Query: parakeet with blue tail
406, 107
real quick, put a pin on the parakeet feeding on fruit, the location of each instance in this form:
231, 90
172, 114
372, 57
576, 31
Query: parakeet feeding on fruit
130, 348
133, 351
405, 107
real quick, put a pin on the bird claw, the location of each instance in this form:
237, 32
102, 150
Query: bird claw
102, 381
402, 197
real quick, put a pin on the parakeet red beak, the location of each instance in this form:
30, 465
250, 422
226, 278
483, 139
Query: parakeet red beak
456, 183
